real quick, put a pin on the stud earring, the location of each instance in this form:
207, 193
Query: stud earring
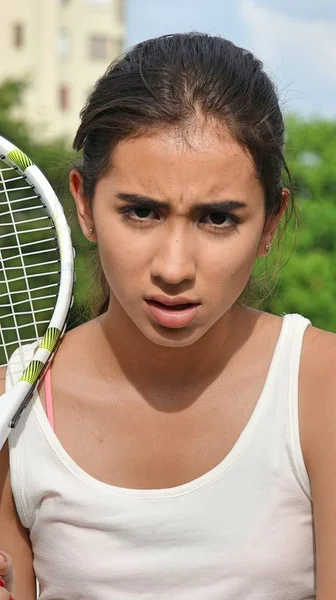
90, 232
267, 248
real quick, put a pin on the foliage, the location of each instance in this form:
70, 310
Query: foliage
306, 282
311, 155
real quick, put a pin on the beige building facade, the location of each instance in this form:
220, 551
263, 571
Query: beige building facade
61, 47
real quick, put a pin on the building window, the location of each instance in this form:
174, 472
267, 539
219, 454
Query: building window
63, 42
64, 98
98, 47
18, 35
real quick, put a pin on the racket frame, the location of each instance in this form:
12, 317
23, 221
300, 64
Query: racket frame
18, 397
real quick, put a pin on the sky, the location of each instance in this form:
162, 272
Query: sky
296, 40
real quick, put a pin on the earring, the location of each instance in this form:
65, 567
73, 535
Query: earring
90, 232
267, 248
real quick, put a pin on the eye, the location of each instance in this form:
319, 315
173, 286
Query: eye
142, 213
139, 214
142, 216
220, 220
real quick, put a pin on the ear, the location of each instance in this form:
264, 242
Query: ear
272, 225
84, 212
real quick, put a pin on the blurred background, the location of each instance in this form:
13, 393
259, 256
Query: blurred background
53, 51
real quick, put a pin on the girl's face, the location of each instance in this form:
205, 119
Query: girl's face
176, 221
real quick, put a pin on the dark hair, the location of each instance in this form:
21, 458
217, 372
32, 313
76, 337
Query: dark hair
168, 82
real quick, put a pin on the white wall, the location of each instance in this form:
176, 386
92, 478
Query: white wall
40, 59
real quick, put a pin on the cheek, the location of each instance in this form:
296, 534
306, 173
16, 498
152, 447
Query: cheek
243, 262
231, 267
123, 261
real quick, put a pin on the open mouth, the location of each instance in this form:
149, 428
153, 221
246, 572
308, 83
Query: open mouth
172, 315
172, 307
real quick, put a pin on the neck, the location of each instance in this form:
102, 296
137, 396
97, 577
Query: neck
128, 353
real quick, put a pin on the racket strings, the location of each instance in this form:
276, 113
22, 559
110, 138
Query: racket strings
29, 263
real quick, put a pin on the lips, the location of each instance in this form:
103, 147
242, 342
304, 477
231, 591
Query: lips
168, 301
172, 314
171, 306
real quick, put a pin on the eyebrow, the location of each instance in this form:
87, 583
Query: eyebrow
146, 201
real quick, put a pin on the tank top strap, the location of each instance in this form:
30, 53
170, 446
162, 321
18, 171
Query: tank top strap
278, 432
287, 355
298, 328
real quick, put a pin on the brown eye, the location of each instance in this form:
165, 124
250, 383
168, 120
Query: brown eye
142, 213
139, 216
139, 213
220, 220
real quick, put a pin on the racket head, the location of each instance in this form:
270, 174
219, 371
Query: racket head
36, 274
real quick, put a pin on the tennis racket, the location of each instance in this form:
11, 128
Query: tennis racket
36, 277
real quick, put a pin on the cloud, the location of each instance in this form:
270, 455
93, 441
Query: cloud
299, 52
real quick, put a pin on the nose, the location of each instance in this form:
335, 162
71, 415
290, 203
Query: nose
174, 260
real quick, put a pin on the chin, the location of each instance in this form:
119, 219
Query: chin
173, 338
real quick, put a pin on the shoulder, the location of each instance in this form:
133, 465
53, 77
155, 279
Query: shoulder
72, 366
318, 359
317, 416
318, 339
76, 348
317, 388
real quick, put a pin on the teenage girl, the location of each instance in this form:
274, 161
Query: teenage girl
182, 445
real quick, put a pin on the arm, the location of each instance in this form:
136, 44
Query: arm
318, 437
7, 578
14, 538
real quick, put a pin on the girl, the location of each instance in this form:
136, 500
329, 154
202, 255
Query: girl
177, 448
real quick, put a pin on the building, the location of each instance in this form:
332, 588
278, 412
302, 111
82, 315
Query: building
61, 47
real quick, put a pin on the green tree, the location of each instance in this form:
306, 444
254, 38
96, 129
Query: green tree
307, 282
311, 155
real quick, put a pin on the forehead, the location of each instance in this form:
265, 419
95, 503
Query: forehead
205, 162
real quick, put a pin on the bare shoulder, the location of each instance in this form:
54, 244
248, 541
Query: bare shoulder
78, 337
71, 369
76, 344
317, 391
317, 415
322, 342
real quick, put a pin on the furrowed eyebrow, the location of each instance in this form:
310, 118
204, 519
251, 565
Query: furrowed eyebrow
221, 205
142, 200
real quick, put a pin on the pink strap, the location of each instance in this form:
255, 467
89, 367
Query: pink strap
48, 397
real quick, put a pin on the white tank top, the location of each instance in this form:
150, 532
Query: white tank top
242, 531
